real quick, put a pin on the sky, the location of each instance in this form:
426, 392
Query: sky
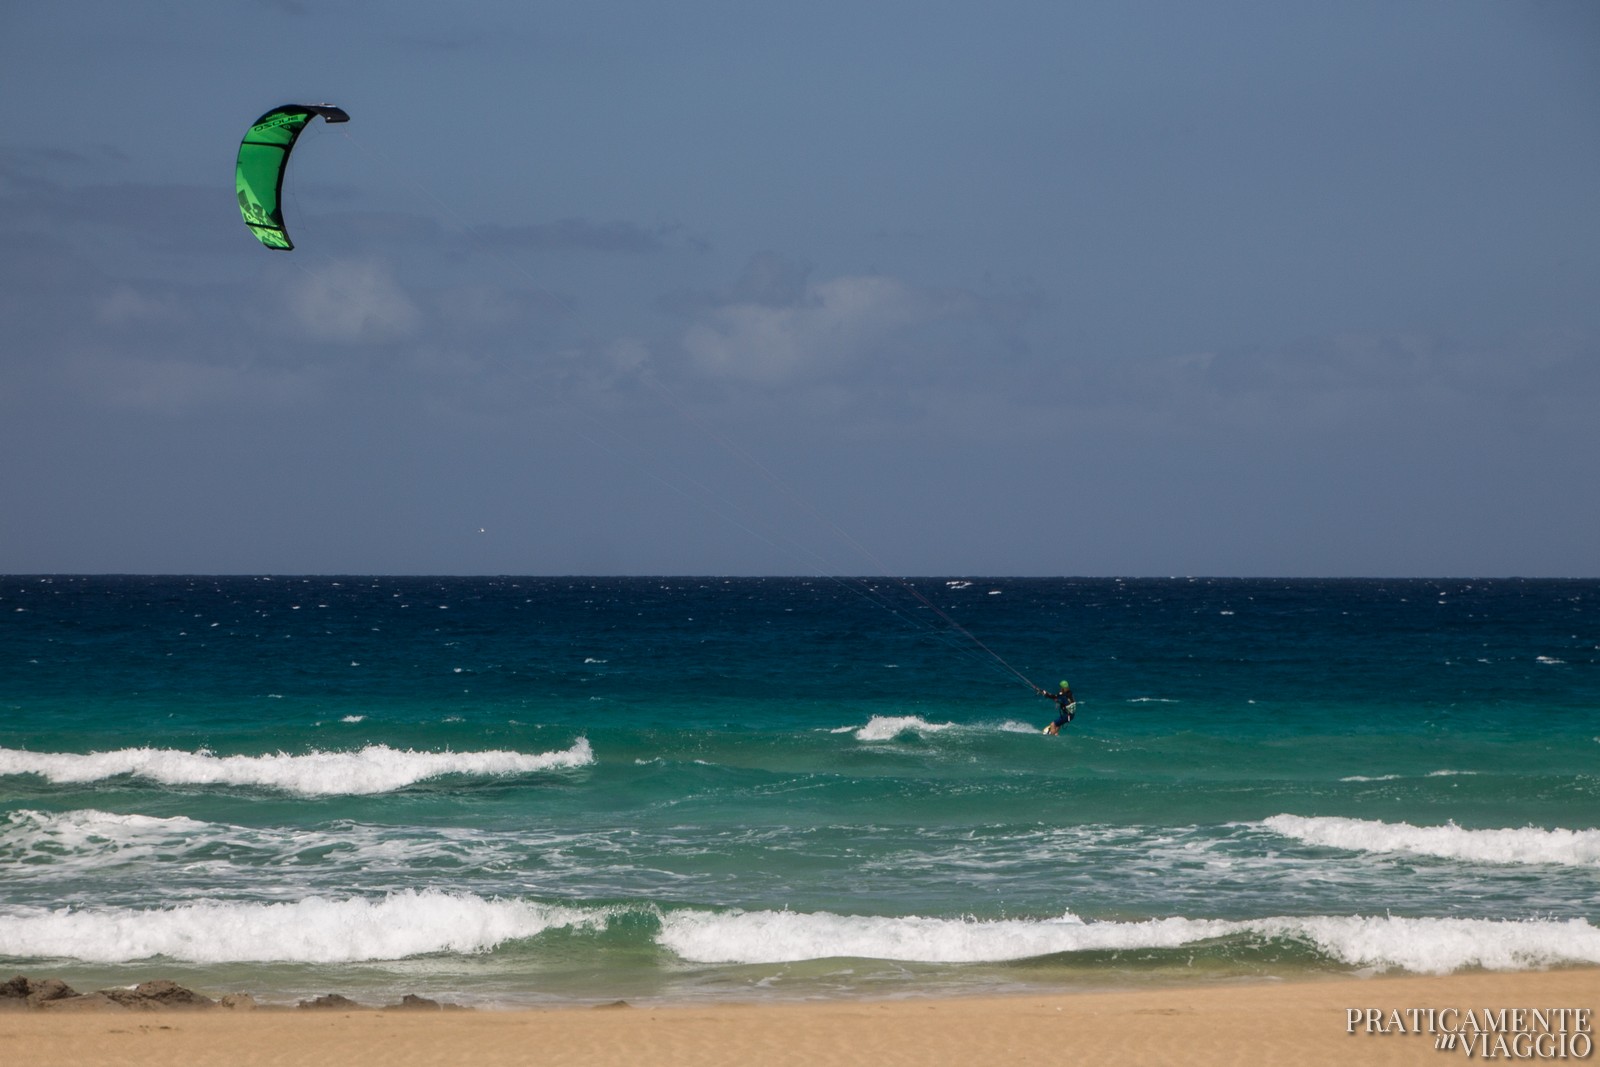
1153, 287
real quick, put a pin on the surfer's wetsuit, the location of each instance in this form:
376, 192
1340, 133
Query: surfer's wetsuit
1066, 705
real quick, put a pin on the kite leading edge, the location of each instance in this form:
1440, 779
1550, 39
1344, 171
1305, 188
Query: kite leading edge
263, 157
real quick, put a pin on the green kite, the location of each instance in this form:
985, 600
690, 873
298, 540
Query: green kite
263, 157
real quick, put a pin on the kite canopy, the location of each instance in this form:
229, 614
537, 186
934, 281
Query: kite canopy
263, 157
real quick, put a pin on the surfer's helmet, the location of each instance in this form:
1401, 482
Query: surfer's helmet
1064, 684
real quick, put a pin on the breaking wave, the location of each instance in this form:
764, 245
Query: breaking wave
1528, 845
412, 923
374, 769
1421, 945
314, 930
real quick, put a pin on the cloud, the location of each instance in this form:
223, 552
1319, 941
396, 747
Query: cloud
774, 327
770, 280
352, 302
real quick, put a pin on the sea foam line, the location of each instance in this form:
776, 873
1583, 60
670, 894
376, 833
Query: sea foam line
1527, 845
1420, 945
411, 923
374, 769
91, 832
889, 727
314, 930
786, 936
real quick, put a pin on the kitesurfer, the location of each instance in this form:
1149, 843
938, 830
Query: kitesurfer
1066, 705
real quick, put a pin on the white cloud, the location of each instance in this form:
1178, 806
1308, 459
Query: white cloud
834, 323
354, 302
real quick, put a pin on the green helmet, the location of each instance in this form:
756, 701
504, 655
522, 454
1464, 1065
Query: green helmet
1064, 684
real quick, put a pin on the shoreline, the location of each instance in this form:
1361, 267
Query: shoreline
1304, 1021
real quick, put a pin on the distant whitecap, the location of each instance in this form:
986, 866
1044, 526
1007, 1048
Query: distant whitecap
374, 769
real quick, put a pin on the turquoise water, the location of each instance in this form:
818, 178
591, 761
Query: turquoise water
512, 791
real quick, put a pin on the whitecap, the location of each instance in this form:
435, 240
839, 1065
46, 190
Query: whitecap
1440, 946
1422, 945
374, 769
90, 832
888, 727
1524, 845
313, 930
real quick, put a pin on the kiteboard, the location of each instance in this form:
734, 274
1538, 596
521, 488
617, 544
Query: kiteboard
1053, 729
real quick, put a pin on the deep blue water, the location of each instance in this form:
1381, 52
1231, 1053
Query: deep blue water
517, 789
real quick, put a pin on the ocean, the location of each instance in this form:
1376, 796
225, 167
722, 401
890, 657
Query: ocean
526, 791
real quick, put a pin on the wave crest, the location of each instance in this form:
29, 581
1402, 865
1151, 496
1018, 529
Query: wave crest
411, 923
314, 930
374, 769
1528, 845
1420, 945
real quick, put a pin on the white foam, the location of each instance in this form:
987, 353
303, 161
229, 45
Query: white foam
1422, 945
888, 727
1439, 946
1527, 845
90, 832
314, 930
179, 859
374, 769
786, 936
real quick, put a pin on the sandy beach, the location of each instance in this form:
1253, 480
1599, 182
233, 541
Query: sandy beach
1301, 1022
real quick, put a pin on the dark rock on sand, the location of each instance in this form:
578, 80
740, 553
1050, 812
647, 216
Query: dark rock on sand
158, 995
14, 993
412, 1002
332, 1001
53, 994
34, 993
162, 994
